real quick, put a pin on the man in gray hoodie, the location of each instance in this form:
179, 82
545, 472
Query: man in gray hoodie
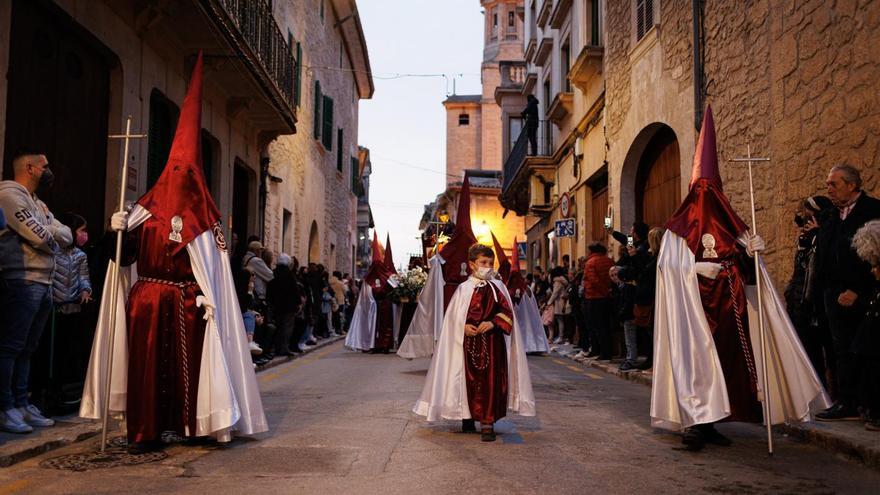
27, 261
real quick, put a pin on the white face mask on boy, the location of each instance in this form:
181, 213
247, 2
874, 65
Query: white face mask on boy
484, 273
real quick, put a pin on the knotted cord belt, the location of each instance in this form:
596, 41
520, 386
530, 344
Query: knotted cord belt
743, 338
181, 319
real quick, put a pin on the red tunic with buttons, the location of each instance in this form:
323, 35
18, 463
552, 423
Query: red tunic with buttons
165, 335
485, 355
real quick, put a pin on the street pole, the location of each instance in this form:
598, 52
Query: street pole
764, 372
114, 281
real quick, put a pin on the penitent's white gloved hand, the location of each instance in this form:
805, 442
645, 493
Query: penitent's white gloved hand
755, 244
708, 269
119, 221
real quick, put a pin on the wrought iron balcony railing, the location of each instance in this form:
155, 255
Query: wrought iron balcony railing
523, 148
257, 28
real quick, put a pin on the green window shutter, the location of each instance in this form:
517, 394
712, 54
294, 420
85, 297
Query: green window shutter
339, 147
317, 111
297, 85
354, 176
327, 115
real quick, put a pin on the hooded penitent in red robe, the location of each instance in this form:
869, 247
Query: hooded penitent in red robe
501, 257
454, 253
373, 314
707, 361
182, 367
384, 306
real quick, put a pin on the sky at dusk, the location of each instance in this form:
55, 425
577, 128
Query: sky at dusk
404, 124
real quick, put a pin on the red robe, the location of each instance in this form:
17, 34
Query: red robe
485, 355
165, 335
384, 317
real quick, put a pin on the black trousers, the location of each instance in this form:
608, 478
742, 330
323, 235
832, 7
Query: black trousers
843, 323
532, 131
599, 324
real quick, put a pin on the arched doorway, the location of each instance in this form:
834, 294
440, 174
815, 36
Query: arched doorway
651, 177
314, 244
658, 181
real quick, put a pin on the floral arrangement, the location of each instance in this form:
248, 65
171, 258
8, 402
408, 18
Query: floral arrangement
408, 285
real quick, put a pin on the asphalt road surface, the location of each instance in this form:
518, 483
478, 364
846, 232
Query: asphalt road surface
341, 423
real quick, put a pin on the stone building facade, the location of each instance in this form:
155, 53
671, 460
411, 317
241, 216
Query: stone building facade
312, 205
75, 70
794, 80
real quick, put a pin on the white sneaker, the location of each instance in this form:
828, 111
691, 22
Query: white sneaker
13, 422
34, 417
256, 350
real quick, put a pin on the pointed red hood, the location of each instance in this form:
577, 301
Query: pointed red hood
181, 190
503, 262
388, 259
706, 211
514, 264
454, 253
376, 249
516, 281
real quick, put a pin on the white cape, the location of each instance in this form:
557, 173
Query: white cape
424, 329
688, 385
362, 330
228, 395
531, 327
444, 395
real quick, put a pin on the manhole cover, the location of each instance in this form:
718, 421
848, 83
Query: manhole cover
97, 460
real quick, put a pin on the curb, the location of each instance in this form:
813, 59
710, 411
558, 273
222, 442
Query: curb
816, 433
71, 430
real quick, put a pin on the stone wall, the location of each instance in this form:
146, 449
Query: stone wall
798, 82
312, 188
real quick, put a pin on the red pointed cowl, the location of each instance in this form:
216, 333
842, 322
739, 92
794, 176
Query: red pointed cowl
503, 262
376, 249
389, 257
181, 189
706, 210
516, 283
454, 253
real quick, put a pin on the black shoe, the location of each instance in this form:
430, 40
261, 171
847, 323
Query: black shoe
487, 434
284, 354
141, 448
693, 439
626, 367
311, 342
468, 426
838, 412
711, 435
296, 350
644, 366
269, 356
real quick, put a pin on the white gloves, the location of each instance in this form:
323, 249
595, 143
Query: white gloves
708, 269
119, 221
754, 244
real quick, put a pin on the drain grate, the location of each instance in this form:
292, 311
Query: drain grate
116, 455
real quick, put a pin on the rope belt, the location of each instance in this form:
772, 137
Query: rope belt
181, 320
740, 327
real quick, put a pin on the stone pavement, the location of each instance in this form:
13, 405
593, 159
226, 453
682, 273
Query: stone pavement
845, 437
72, 429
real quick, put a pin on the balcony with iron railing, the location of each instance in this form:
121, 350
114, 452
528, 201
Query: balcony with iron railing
251, 35
526, 154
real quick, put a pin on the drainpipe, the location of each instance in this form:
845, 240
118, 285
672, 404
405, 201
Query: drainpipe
697, 16
263, 193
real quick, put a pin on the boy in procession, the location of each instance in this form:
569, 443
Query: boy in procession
473, 375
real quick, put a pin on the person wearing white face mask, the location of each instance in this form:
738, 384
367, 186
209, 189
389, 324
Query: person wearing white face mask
472, 376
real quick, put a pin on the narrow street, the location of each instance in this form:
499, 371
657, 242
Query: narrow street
340, 423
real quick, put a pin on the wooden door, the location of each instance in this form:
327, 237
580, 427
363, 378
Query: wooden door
57, 103
598, 208
658, 184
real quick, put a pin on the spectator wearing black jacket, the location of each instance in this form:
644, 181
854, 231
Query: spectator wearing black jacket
284, 298
531, 115
844, 279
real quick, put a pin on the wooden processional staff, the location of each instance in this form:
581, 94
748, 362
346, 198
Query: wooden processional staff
114, 279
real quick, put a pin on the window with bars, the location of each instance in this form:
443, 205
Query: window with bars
644, 17
163, 123
327, 116
464, 119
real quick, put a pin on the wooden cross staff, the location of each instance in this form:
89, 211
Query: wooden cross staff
114, 279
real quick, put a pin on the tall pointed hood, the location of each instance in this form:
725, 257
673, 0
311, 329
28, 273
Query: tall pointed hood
503, 262
516, 283
705, 218
514, 263
180, 199
388, 260
454, 253
376, 249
